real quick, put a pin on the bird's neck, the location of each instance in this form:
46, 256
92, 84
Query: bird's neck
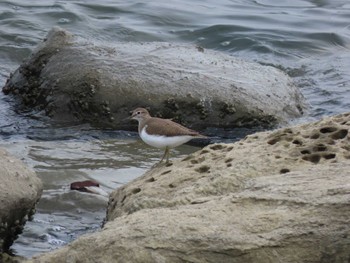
143, 122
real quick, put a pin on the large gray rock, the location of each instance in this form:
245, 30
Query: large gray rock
280, 196
70, 79
20, 189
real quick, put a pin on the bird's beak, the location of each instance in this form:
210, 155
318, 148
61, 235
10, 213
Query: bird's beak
131, 115
128, 118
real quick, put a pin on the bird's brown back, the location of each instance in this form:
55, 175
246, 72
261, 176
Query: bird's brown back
167, 127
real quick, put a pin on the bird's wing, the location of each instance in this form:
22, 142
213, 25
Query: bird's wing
167, 127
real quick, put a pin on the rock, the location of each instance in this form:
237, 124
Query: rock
280, 196
20, 189
72, 80
6, 258
88, 186
83, 186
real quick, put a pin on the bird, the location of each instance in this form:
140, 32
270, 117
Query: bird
162, 133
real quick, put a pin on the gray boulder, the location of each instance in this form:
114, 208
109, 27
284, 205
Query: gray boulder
72, 80
280, 196
20, 189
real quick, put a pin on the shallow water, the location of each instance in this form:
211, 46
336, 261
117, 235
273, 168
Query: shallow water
307, 39
63, 157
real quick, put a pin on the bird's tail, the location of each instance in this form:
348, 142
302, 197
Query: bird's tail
201, 136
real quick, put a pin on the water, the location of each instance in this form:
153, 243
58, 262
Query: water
307, 39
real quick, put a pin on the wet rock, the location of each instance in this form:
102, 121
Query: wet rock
89, 187
71, 80
256, 200
20, 189
82, 186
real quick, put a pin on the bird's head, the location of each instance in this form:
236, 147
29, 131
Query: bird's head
139, 114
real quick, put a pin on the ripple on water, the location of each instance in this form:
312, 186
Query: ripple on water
62, 214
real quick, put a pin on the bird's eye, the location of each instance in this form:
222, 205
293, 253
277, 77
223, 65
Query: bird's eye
139, 112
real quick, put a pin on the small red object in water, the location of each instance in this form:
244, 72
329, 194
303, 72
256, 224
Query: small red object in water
81, 186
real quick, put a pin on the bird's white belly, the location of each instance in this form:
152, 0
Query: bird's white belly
160, 141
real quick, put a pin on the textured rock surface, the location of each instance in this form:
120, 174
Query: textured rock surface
6, 258
20, 189
280, 196
72, 80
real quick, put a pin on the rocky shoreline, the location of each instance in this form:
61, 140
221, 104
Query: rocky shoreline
278, 196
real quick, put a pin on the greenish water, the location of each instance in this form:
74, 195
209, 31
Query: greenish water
309, 40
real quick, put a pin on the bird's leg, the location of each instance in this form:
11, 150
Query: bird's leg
168, 154
164, 155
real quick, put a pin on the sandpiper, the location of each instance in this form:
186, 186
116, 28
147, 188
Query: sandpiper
162, 133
